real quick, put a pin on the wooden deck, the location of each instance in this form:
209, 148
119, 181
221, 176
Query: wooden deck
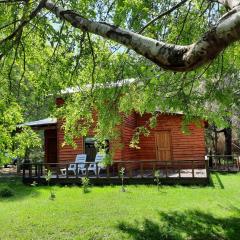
224, 163
136, 172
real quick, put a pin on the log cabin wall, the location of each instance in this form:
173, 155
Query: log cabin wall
67, 153
128, 128
183, 147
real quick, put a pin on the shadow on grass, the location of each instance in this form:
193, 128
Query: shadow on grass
195, 225
19, 189
215, 181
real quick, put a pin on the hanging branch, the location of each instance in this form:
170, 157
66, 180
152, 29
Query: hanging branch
162, 15
23, 23
93, 60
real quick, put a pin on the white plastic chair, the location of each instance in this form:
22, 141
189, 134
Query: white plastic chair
93, 166
80, 159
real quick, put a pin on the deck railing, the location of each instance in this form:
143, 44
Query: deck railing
137, 169
224, 162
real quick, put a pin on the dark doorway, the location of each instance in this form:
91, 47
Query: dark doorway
90, 149
50, 145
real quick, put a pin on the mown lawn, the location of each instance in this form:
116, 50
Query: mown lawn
107, 213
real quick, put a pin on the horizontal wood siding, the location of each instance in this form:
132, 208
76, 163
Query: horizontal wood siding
67, 153
128, 128
184, 147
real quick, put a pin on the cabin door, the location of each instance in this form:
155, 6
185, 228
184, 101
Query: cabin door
163, 145
50, 145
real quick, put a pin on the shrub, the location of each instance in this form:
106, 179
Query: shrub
6, 192
107, 160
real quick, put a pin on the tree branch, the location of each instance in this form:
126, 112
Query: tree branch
163, 14
228, 3
25, 22
9, 24
168, 56
13, 1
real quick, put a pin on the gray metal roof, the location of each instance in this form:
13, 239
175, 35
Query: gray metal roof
42, 122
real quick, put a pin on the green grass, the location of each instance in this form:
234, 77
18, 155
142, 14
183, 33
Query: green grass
107, 213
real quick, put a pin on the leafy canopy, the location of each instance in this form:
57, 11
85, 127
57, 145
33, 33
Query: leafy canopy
50, 56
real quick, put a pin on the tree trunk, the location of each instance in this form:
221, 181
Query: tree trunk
228, 140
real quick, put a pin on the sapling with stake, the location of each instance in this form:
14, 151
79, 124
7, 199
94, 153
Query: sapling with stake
157, 178
85, 184
121, 173
48, 178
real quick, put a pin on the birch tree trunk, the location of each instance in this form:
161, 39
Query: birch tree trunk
169, 56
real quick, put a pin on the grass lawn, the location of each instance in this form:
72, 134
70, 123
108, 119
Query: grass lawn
142, 212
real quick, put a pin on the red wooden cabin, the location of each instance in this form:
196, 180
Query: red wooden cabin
166, 142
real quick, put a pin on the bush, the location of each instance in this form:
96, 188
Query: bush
6, 192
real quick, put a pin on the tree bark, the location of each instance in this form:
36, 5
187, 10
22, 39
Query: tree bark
228, 141
228, 3
228, 138
169, 56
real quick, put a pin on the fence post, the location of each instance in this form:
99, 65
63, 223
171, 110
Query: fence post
76, 170
141, 169
18, 167
228, 159
97, 169
35, 169
57, 171
66, 170
207, 168
39, 170
154, 168
130, 170
108, 171
23, 168
166, 169
30, 170
87, 171
118, 170
179, 170
193, 169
